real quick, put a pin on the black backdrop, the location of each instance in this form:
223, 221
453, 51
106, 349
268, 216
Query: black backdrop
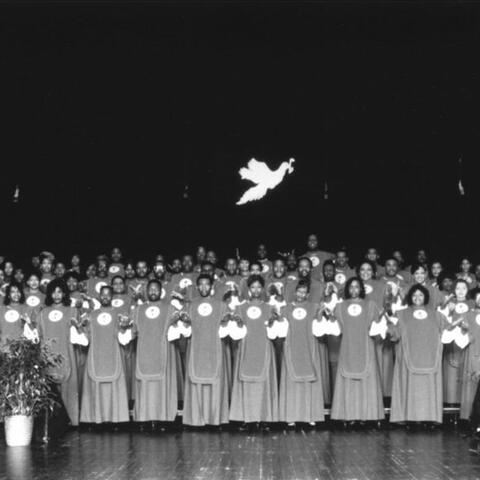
110, 111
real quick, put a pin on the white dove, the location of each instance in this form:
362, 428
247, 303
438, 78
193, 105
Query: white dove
265, 179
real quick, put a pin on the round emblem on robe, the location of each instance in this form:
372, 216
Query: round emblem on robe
477, 319
185, 282
99, 286
45, 281
265, 268
299, 313
104, 318
114, 269
461, 308
117, 303
254, 312
204, 309
33, 301
55, 315
11, 316
368, 289
420, 314
279, 286
315, 261
354, 310
152, 312
340, 278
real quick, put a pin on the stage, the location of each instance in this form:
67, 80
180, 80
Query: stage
278, 454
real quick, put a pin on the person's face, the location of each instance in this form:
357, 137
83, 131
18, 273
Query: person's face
366, 272
397, 254
159, 269
212, 257
292, 263
129, 271
201, 254
341, 259
75, 261
391, 268
105, 297
256, 290
72, 284
59, 270
436, 269
118, 286
160, 258
447, 285
301, 294
278, 268
255, 269
422, 256
187, 264
33, 282
231, 266
57, 296
204, 286
418, 298
116, 255
465, 265
354, 289
154, 292
91, 271
19, 275
304, 268
15, 295
208, 269
46, 265
262, 252
8, 269
420, 275
329, 272
461, 291
141, 269
312, 242
176, 265
244, 265
372, 255
102, 269
36, 262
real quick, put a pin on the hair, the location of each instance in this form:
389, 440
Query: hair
107, 287
414, 289
328, 262
115, 277
349, 282
35, 273
306, 259
61, 284
7, 300
150, 282
203, 276
255, 278
368, 262
71, 274
392, 259
460, 280
416, 266
303, 282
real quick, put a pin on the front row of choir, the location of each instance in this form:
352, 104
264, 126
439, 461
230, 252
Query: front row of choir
250, 361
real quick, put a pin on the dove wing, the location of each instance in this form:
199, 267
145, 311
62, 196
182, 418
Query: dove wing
254, 193
256, 172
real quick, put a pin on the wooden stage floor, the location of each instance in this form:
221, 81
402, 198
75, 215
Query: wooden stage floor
278, 454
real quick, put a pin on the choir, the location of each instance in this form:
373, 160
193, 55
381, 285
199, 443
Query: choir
256, 342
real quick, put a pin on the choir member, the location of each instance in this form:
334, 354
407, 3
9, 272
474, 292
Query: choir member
34, 298
19, 275
138, 286
46, 271
75, 264
436, 269
255, 387
292, 266
104, 395
200, 257
100, 280
54, 325
417, 380
316, 256
420, 277
262, 258
59, 270
213, 260
373, 257
342, 269
301, 397
358, 391
316, 287
8, 269
206, 379
116, 266
466, 274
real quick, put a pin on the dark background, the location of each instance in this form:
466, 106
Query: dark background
109, 111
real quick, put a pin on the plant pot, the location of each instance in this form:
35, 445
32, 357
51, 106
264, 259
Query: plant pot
18, 430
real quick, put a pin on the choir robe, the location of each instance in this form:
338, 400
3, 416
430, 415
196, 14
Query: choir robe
156, 367
227, 284
358, 390
255, 386
267, 266
375, 290
104, 393
122, 304
11, 325
54, 325
316, 294
318, 258
301, 397
341, 277
35, 300
206, 379
471, 364
138, 286
116, 269
453, 357
417, 380
81, 351
182, 280
469, 278
95, 284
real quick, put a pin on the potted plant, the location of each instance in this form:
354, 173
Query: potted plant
25, 386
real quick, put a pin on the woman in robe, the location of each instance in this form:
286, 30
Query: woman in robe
301, 392
420, 277
358, 391
466, 273
34, 298
206, 379
54, 324
417, 381
104, 395
155, 366
436, 269
255, 387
